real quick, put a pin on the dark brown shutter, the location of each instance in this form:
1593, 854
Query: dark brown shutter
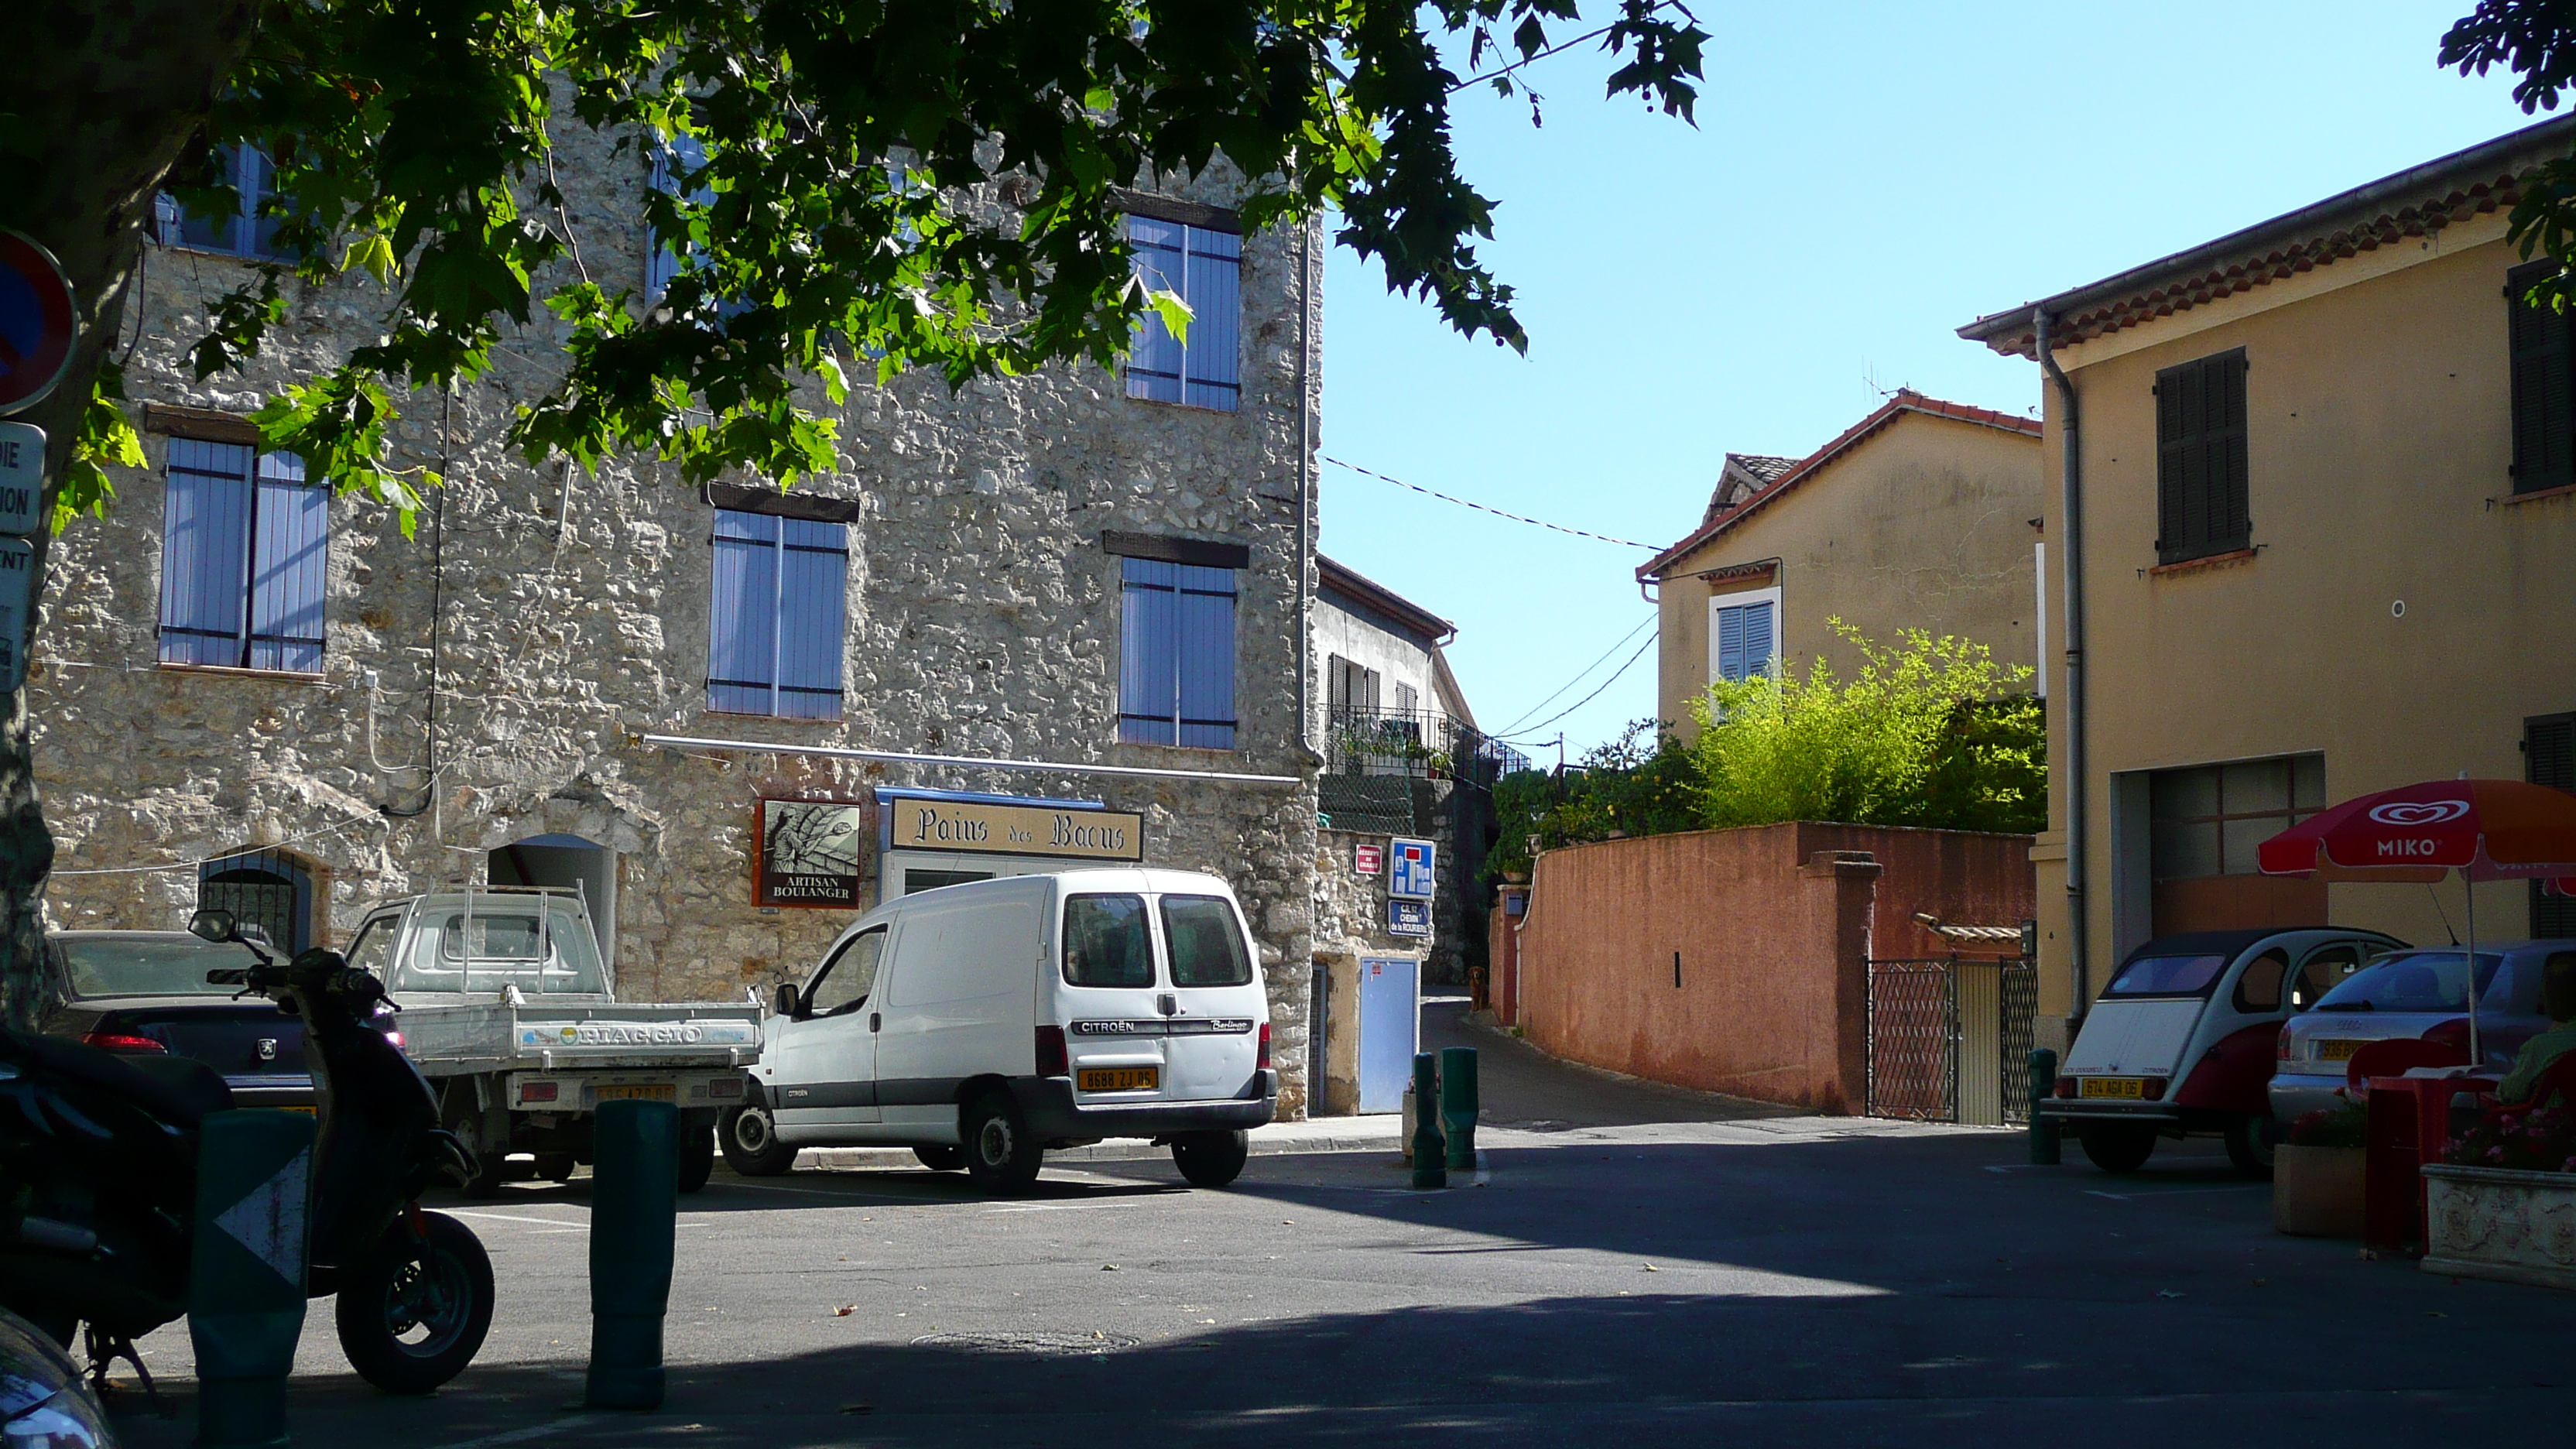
2544, 386
2202, 504
2549, 758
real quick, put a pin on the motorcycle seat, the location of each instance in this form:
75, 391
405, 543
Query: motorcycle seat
178, 1090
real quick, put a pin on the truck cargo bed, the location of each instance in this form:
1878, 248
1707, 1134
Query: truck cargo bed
452, 1037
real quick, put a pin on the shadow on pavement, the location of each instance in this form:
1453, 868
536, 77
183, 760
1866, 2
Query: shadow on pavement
1521, 1086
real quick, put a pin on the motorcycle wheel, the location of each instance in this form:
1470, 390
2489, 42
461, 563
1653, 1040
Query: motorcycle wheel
413, 1314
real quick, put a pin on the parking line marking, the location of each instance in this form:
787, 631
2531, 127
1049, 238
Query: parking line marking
516, 1436
2172, 1192
515, 1218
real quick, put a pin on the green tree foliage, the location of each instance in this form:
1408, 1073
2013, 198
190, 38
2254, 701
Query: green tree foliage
414, 142
1923, 733
2536, 40
1641, 783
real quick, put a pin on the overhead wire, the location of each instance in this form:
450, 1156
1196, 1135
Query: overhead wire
1489, 508
1579, 676
1595, 694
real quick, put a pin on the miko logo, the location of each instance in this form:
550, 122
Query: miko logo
2424, 812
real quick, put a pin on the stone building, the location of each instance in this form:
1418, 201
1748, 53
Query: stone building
1081, 589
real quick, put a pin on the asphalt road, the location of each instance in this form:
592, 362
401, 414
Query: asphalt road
1793, 1281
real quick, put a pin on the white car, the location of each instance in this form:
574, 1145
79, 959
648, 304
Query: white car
982, 1024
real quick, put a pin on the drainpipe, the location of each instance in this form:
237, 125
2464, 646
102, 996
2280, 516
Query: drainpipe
2071, 515
1305, 488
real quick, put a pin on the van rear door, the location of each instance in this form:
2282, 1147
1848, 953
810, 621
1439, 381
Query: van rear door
1214, 1029
1112, 1001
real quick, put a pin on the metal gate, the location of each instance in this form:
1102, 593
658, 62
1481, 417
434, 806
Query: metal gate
1925, 1031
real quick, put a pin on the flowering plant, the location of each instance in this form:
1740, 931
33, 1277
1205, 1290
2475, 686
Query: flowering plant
2542, 1140
2346, 1125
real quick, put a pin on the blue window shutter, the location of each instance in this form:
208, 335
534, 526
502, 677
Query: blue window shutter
205, 552
1154, 364
290, 563
1730, 643
1205, 657
742, 624
663, 261
1215, 297
1148, 655
813, 607
1757, 639
217, 231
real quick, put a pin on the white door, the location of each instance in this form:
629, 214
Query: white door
826, 1058
1214, 1028
1112, 1001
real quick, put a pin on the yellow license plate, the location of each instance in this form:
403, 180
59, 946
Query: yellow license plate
307, 1111
2338, 1050
1118, 1079
2134, 1088
650, 1092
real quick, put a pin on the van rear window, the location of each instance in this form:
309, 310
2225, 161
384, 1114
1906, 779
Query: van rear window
1105, 942
1206, 948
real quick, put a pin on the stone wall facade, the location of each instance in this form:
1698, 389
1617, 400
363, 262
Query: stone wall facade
491, 677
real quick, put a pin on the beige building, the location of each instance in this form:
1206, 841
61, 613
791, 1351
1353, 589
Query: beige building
1922, 515
2317, 482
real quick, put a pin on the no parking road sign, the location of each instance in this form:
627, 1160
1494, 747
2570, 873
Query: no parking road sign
37, 327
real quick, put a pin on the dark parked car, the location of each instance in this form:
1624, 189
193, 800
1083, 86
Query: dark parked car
145, 993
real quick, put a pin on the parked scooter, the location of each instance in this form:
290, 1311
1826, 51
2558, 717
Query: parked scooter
98, 1161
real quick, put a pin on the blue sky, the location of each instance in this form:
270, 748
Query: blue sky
1864, 178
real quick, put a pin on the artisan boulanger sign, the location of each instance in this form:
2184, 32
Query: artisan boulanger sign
809, 853
977, 827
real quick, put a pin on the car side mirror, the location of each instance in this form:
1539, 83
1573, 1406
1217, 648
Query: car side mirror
790, 1005
213, 925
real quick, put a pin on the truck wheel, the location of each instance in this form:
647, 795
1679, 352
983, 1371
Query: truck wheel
555, 1166
941, 1159
491, 1159
2117, 1147
412, 1314
697, 1150
1000, 1154
1210, 1159
2250, 1140
751, 1145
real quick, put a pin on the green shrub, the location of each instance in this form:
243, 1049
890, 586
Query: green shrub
1922, 734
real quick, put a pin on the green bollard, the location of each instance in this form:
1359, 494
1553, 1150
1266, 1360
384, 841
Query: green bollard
1458, 1105
634, 1220
1430, 1150
2044, 1141
246, 1271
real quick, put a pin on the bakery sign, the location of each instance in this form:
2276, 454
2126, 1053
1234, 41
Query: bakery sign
808, 853
978, 827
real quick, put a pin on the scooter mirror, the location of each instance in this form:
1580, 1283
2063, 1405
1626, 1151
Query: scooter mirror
212, 925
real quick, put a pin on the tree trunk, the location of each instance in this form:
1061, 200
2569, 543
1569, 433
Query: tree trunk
103, 93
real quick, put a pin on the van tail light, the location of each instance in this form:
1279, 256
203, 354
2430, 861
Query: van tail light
1263, 1060
2281, 1044
117, 1041
2153, 1090
1052, 1061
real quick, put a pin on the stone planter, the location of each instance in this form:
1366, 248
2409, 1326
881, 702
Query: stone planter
2486, 1222
2317, 1191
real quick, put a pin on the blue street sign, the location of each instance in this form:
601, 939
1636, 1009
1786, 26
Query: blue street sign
1412, 877
1408, 918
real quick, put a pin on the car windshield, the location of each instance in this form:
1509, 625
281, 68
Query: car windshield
172, 965
500, 942
2415, 981
2167, 976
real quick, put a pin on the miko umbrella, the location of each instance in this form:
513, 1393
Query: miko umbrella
2484, 829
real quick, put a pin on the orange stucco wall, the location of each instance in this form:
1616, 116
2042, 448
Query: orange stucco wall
1772, 924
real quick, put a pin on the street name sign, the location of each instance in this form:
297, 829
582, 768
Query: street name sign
1368, 858
37, 324
1408, 918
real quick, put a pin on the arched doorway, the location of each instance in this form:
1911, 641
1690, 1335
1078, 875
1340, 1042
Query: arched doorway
564, 862
271, 889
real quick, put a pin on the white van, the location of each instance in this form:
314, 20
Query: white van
981, 1024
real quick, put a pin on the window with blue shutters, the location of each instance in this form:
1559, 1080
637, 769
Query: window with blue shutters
1176, 654
780, 609
682, 156
241, 231
245, 554
1204, 265
1743, 634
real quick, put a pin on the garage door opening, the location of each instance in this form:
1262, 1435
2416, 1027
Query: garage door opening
564, 862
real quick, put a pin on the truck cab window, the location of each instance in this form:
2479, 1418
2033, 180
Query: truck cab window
846, 980
373, 951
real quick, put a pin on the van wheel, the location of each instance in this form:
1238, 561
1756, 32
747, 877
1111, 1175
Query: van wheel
1210, 1159
2250, 1140
751, 1145
1000, 1154
941, 1159
2117, 1147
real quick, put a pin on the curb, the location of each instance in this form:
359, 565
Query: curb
1264, 1143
